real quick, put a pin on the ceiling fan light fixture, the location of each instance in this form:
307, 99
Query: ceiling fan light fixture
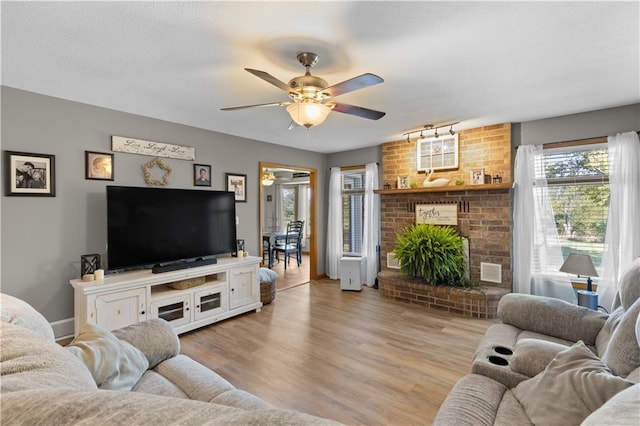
268, 178
308, 114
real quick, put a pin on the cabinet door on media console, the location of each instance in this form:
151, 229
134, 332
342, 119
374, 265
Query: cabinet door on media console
243, 286
121, 308
175, 309
210, 301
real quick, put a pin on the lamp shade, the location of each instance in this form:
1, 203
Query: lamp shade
308, 114
579, 264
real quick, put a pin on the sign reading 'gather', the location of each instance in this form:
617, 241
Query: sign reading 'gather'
437, 214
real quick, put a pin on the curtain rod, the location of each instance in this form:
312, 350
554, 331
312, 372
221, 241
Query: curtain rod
575, 142
354, 167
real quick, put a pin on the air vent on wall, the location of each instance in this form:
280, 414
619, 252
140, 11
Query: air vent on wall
491, 272
392, 261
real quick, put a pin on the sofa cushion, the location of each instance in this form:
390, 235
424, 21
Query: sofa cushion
474, 400
629, 286
531, 356
551, 317
622, 354
114, 364
69, 407
19, 312
620, 410
202, 384
156, 338
30, 361
573, 385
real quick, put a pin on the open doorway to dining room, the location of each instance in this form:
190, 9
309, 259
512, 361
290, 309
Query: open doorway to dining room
288, 194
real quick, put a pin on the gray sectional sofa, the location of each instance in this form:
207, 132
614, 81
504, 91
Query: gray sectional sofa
134, 375
549, 362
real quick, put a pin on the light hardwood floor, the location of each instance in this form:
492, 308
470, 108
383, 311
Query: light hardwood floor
294, 275
353, 357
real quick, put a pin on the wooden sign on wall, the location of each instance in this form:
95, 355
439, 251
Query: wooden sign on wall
437, 214
156, 149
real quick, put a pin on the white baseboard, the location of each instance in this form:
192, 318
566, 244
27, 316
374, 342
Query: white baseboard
63, 329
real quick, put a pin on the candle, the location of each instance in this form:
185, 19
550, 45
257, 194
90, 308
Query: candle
240, 253
99, 274
87, 277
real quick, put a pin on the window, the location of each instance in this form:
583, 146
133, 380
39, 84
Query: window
437, 153
288, 204
353, 182
578, 186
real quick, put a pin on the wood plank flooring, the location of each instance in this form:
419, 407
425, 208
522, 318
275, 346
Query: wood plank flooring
353, 357
294, 275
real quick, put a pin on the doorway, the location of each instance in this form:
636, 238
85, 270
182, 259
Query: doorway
289, 193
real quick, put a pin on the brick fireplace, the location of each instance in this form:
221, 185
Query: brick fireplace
484, 213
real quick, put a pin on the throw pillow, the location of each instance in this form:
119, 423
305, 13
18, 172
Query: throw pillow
19, 312
622, 354
574, 384
267, 275
114, 364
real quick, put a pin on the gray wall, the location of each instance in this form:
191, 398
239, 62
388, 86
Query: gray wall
43, 238
356, 157
586, 125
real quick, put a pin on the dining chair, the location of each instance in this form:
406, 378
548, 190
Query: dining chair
291, 242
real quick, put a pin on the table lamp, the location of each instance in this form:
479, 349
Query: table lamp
581, 264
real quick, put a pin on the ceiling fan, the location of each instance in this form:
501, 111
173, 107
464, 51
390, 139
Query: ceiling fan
310, 96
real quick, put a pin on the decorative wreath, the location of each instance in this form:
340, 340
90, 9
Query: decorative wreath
156, 162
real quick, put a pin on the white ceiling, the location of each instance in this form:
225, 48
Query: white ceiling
475, 62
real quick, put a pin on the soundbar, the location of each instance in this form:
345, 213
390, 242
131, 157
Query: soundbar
175, 266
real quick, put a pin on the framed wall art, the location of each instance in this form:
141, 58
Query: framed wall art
201, 175
402, 181
98, 165
237, 184
29, 174
477, 177
437, 153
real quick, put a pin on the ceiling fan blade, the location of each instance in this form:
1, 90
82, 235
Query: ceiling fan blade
356, 83
270, 79
359, 111
256, 106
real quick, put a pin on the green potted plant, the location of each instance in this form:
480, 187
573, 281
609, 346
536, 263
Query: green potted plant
432, 253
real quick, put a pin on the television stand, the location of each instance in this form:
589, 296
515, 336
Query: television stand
230, 287
176, 266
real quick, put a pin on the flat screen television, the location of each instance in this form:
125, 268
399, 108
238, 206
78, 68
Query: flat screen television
156, 226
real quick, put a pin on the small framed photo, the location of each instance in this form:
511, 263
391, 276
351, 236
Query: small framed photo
98, 165
202, 175
403, 182
31, 175
237, 184
477, 177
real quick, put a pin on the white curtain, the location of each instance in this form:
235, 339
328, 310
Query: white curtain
537, 256
622, 240
301, 213
334, 224
371, 225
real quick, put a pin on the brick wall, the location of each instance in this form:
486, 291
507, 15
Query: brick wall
486, 147
484, 215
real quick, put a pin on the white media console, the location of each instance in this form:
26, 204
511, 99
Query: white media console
231, 287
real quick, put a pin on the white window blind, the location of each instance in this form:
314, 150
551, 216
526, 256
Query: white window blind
353, 186
578, 187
